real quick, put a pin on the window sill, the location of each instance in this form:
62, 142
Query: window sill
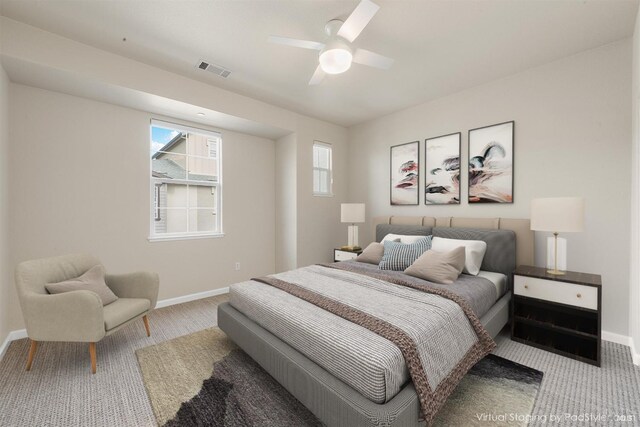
322, 195
184, 237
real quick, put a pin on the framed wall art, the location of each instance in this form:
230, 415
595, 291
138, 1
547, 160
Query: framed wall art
405, 173
491, 164
442, 170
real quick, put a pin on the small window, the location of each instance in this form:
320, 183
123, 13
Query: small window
186, 182
322, 172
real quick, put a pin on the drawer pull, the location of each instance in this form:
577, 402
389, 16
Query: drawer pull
526, 286
579, 295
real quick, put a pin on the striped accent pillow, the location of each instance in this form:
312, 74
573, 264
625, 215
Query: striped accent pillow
399, 256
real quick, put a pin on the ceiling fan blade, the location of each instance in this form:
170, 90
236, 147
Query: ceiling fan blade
372, 59
317, 77
305, 44
358, 19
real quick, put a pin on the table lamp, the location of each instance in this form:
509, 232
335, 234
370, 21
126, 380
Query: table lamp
352, 213
557, 215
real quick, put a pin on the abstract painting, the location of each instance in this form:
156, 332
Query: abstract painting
442, 171
491, 164
405, 173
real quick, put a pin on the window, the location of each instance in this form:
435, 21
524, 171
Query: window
186, 182
322, 175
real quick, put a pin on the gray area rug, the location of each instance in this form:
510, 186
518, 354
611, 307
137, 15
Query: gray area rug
204, 379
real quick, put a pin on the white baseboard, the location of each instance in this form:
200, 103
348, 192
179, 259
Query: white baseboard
624, 340
191, 297
616, 338
22, 333
635, 352
12, 336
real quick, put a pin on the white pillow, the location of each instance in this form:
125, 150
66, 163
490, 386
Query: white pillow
401, 238
474, 251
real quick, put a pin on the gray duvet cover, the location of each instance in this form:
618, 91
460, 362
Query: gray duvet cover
366, 361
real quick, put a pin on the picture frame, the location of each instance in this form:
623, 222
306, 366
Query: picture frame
491, 163
405, 174
442, 159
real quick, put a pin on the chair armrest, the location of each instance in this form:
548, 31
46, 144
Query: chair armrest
70, 316
135, 285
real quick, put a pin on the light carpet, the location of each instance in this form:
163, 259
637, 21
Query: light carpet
60, 390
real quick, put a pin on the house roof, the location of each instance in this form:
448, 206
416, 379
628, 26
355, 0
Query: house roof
168, 169
169, 145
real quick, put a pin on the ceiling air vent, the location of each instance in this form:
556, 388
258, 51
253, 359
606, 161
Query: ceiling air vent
215, 69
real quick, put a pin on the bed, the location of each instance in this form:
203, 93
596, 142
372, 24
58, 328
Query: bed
350, 377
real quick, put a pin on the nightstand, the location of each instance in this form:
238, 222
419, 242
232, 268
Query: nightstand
344, 255
560, 314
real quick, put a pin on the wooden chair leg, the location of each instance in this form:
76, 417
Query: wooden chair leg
92, 353
146, 325
32, 353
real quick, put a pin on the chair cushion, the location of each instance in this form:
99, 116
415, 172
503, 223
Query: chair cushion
122, 310
92, 280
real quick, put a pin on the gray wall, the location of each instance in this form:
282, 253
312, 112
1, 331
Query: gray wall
308, 227
286, 203
572, 133
83, 169
6, 278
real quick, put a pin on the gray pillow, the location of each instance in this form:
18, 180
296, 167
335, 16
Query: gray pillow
92, 280
372, 254
439, 267
399, 256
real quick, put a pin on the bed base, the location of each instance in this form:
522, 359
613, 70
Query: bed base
331, 400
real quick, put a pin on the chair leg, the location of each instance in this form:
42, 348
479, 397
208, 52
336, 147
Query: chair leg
146, 325
32, 353
92, 353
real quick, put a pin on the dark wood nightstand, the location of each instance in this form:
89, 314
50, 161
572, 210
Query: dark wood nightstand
560, 314
344, 255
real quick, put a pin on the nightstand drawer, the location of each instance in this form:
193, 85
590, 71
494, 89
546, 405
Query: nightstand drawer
556, 291
344, 255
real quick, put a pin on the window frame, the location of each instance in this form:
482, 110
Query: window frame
155, 183
328, 146
156, 201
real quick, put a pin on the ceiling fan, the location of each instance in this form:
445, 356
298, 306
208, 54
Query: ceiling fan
337, 54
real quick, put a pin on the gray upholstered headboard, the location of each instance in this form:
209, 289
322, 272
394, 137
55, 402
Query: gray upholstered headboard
524, 244
501, 244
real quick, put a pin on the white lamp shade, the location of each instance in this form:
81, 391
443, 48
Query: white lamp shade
558, 214
352, 212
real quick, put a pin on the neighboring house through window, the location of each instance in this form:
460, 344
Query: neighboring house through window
156, 201
322, 171
186, 182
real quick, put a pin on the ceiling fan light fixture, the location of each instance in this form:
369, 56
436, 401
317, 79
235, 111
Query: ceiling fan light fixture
335, 61
337, 54
336, 57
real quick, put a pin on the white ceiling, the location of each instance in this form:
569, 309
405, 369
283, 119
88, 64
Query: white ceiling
440, 47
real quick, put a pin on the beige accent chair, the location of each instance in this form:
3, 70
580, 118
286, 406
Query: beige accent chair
79, 316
